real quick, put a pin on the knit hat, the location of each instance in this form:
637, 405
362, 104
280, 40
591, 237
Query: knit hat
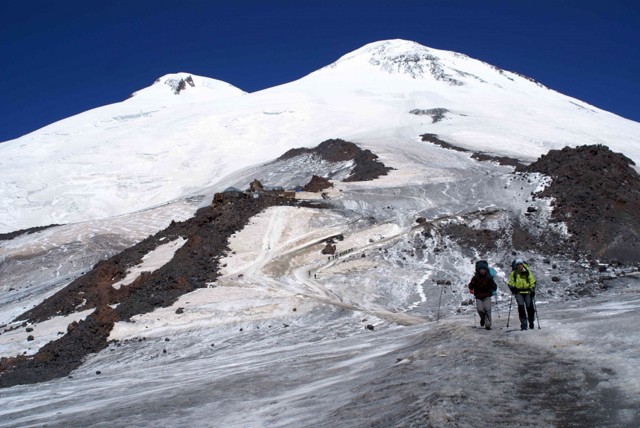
518, 262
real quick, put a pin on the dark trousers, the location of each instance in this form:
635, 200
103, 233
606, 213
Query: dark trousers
525, 310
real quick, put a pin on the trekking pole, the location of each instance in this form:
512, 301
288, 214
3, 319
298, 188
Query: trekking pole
497, 306
508, 317
535, 307
535, 311
440, 300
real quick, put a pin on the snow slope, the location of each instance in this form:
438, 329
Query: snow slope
281, 340
382, 335
159, 145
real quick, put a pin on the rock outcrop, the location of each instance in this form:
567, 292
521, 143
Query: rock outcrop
366, 165
597, 194
317, 184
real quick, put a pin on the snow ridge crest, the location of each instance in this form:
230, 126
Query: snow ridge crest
403, 57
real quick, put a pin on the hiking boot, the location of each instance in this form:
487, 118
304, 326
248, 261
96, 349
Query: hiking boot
523, 326
531, 325
481, 322
488, 327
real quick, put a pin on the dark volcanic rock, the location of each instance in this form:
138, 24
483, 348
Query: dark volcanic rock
60, 357
366, 166
434, 139
256, 186
597, 194
329, 249
11, 235
192, 266
437, 114
480, 239
501, 160
481, 156
335, 150
317, 184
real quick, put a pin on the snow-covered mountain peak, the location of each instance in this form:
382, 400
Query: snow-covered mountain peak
404, 57
187, 83
388, 50
186, 132
177, 83
407, 58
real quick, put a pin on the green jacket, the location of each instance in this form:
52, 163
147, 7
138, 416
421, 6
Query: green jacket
522, 282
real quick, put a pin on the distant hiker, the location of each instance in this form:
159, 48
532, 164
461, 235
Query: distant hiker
482, 287
523, 285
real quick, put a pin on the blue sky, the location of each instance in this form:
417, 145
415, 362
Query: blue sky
60, 58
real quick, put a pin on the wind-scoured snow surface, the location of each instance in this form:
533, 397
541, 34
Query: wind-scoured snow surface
281, 340
379, 335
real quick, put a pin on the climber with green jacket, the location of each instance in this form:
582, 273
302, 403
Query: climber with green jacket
523, 285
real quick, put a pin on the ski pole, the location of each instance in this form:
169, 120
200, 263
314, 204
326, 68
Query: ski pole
508, 317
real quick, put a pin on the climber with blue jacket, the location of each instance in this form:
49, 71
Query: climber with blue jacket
523, 286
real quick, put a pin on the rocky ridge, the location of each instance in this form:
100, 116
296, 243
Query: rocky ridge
366, 164
593, 190
596, 193
193, 266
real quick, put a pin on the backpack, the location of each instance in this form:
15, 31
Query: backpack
483, 264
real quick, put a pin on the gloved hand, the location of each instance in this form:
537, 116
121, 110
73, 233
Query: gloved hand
513, 290
533, 293
471, 290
